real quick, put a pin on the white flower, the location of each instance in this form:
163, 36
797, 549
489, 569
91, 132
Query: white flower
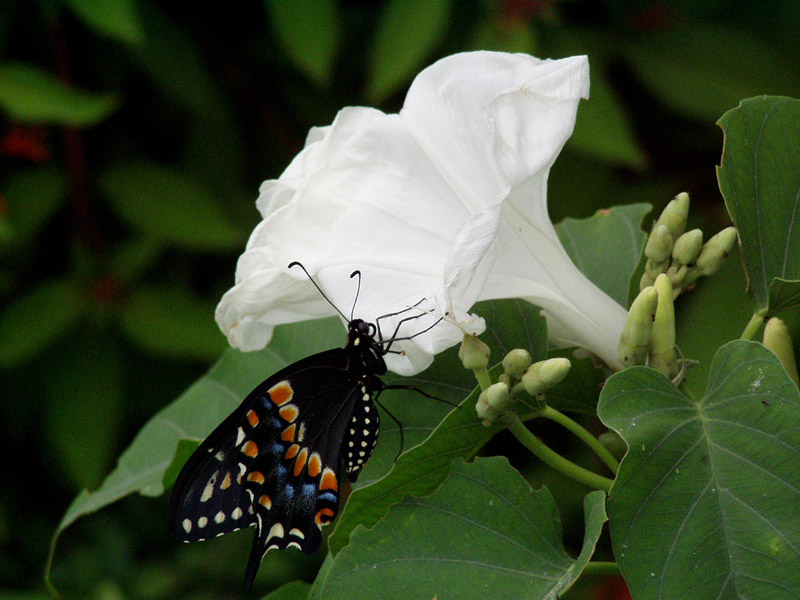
445, 201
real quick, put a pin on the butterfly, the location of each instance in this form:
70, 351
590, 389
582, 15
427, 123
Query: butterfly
277, 462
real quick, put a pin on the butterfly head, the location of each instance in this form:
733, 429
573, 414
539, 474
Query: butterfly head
361, 342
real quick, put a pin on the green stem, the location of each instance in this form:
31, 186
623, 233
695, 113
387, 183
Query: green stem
601, 568
555, 460
752, 327
591, 441
482, 375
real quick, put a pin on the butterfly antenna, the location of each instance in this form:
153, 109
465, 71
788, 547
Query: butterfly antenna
319, 289
358, 291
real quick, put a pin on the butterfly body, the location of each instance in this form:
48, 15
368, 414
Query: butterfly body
276, 462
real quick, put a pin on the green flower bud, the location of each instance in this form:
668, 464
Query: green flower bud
635, 341
485, 412
659, 244
716, 250
777, 339
474, 354
545, 374
687, 247
662, 348
675, 214
515, 363
497, 395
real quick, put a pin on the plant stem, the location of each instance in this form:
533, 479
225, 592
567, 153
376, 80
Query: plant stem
752, 327
484, 381
555, 460
591, 441
601, 568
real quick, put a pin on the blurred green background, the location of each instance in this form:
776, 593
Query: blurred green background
133, 138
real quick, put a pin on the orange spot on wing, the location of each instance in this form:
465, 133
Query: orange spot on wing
226, 483
324, 516
281, 393
292, 451
314, 465
288, 433
250, 449
265, 501
252, 417
300, 462
256, 476
329, 481
289, 412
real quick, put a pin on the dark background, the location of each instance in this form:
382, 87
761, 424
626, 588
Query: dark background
134, 136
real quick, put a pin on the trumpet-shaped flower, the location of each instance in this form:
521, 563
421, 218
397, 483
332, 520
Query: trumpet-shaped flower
445, 201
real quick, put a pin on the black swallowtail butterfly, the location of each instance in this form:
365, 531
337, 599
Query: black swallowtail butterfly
276, 462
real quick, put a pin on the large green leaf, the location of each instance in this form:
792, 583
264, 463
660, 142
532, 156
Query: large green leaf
484, 534
509, 324
294, 590
760, 180
705, 504
704, 70
30, 95
407, 33
167, 205
309, 32
607, 247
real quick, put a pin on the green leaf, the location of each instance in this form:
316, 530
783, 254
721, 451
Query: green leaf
35, 320
172, 323
407, 33
704, 70
294, 590
484, 534
84, 406
760, 181
704, 504
171, 58
30, 95
607, 246
116, 19
783, 294
167, 205
33, 196
309, 31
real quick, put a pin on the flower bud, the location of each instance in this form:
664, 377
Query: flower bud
544, 374
659, 244
675, 214
474, 354
777, 339
497, 395
687, 247
635, 341
515, 363
716, 250
662, 347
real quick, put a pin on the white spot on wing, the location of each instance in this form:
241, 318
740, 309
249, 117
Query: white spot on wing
187, 525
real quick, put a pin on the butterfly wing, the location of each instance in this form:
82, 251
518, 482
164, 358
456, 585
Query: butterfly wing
275, 462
